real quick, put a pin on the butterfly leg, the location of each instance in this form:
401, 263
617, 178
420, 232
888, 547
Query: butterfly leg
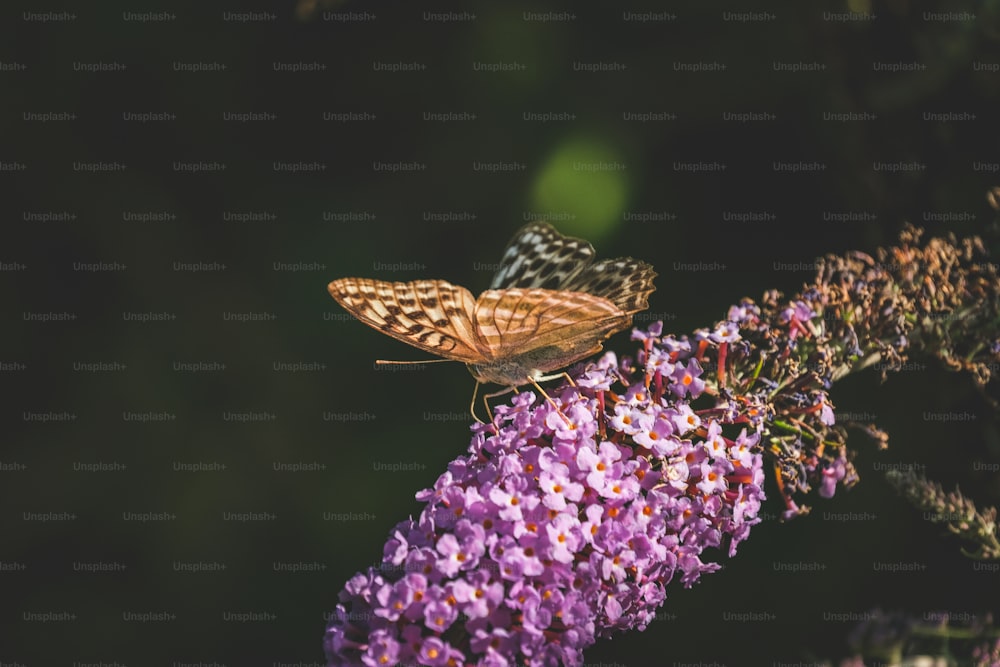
546, 378
472, 405
486, 402
549, 398
498, 393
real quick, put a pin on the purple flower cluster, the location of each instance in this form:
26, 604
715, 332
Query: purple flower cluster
567, 519
987, 654
783, 352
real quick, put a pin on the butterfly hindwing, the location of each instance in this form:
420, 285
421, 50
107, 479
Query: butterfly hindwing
512, 320
539, 256
625, 282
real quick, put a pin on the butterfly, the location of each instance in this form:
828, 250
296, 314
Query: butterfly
549, 305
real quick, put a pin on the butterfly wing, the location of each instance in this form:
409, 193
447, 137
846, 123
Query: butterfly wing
528, 331
625, 282
432, 315
539, 256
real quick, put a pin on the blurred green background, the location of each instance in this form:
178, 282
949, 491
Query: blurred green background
597, 119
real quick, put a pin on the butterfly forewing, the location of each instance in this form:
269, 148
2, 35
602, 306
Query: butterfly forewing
432, 315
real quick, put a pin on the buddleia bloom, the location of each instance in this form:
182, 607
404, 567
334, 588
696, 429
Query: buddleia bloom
565, 521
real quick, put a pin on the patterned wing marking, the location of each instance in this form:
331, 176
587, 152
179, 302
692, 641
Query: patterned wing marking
535, 331
432, 315
539, 256
514, 321
625, 282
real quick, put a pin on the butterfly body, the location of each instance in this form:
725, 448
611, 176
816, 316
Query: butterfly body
549, 306
532, 365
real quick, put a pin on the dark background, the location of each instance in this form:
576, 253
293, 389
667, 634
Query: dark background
372, 437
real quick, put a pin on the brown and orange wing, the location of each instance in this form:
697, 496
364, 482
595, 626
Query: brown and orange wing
553, 328
432, 315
